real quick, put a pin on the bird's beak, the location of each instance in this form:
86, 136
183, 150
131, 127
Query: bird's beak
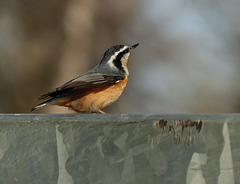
134, 46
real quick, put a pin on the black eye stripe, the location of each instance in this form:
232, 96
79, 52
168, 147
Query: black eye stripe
117, 60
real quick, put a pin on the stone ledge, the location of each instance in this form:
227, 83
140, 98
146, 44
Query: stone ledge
119, 148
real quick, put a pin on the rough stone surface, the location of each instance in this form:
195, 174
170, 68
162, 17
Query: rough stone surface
76, 148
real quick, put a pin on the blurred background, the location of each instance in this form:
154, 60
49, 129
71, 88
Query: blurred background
187, 60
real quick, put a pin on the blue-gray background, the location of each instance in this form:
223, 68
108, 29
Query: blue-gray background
187, 60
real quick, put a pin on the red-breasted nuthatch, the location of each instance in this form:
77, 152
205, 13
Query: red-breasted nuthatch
97, 88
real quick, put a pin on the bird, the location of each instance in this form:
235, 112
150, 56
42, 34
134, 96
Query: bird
95, 89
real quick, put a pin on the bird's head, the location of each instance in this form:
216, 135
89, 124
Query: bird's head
116, 57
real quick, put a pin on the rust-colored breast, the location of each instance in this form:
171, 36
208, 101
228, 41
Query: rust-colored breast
99, 97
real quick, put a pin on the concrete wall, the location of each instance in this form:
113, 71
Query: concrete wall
75, 148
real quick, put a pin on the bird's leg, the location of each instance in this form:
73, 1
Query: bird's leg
100, 111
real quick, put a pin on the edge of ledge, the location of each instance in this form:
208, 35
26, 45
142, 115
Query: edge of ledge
117, 117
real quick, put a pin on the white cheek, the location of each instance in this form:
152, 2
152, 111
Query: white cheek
110, 62
112, 65
126, 70
126, 56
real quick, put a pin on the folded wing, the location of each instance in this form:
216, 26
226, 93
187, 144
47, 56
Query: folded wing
82, 83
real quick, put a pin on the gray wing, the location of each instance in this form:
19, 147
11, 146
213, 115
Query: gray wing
83, 83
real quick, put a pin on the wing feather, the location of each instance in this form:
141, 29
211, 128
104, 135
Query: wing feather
83, 83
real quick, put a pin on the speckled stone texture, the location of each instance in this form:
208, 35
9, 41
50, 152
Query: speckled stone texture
137, 148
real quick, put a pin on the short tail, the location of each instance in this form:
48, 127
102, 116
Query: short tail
38, 106
41, 105
57, 97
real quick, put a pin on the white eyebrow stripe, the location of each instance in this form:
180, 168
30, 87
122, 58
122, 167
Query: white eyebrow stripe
110, 62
